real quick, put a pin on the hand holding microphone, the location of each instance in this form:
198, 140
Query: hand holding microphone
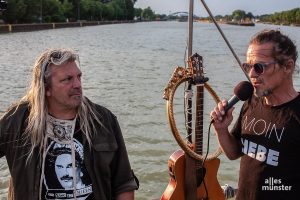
242, 92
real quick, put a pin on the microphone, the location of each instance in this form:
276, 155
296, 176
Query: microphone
242, 92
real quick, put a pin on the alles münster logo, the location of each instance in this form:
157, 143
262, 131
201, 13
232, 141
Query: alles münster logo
273, 184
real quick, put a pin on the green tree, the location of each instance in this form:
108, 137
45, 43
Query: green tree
67, 8
99, 10
108, 12
249, 16
238, 15
148, 14
218, 17
138, 13
129, 9
119, 6
53, 11
293, 15
284, 17
33, 11
76, 9
228, 17
161, 17
15, 11
298, 16
88, 10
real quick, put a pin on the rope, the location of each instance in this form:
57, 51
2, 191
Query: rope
224, 37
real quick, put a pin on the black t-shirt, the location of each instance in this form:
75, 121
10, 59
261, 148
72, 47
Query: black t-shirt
63, 163
270, 136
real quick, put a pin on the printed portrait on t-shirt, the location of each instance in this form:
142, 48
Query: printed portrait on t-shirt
64, 175
61, 178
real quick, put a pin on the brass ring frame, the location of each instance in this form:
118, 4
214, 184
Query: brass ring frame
180, 76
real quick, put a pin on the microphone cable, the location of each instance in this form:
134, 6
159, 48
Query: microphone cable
206, 154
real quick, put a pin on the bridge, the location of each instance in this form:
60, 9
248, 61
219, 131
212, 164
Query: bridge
181, 15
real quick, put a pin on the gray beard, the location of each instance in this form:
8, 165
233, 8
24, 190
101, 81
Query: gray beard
263, 93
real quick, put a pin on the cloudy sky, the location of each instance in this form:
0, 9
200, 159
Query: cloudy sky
219, 7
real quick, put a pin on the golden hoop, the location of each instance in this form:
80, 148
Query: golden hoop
180, 76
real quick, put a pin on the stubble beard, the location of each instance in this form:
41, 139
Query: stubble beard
77, 103
262, 93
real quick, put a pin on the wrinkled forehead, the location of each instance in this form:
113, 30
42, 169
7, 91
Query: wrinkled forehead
260, 51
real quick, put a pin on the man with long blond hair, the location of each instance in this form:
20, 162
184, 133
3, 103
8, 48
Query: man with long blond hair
54, 114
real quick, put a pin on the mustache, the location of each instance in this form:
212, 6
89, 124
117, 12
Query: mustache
75, 91
66, 178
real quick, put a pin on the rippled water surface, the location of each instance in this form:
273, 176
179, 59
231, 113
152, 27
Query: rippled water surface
125, 68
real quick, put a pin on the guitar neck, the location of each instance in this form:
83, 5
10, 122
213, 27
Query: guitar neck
199, 121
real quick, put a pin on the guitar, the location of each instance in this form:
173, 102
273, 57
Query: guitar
207, 187
175, 189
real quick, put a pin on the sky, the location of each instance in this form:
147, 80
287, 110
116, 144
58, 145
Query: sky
219, 7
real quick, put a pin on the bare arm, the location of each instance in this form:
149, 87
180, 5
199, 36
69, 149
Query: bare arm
126, 196
229, 144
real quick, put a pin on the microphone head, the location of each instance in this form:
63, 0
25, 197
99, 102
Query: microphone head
243, 90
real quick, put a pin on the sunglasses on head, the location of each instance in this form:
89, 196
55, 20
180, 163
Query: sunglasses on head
259, 67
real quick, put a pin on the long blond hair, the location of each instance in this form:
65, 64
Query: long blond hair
36, 97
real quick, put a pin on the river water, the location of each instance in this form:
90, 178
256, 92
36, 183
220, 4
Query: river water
125, 68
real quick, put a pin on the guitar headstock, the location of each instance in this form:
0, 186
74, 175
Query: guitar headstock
196, 69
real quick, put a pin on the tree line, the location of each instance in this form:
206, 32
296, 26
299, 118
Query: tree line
43, 11
284, 17
47, 11
37, 11
237, 15
148, 14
